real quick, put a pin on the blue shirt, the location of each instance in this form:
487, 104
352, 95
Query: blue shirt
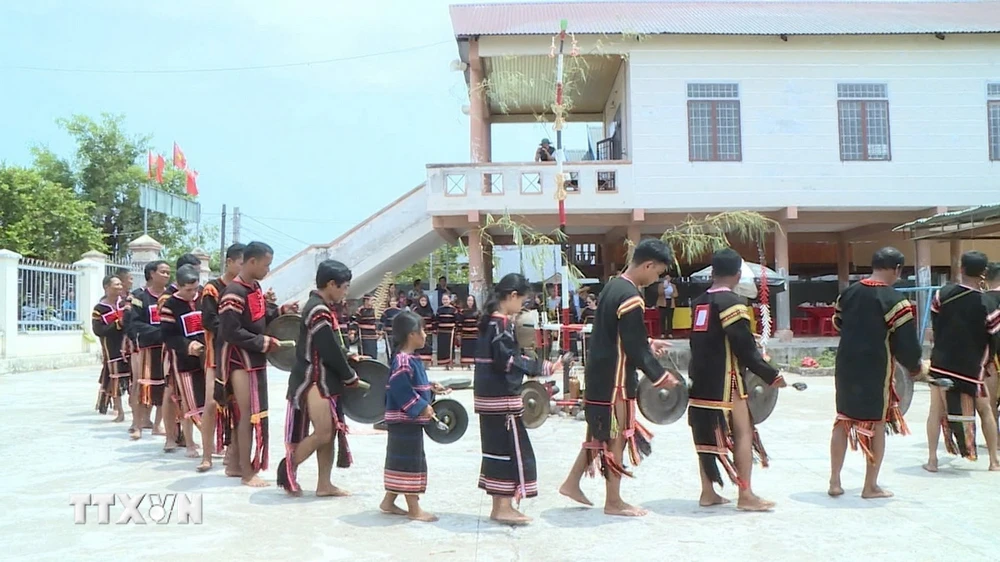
408, 392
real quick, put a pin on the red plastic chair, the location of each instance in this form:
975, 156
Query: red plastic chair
802, 326
827, 329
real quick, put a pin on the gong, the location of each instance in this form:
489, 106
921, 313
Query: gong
367, 405
451, 424
902, 384
536, 400
284, 328
761, 397
663, 406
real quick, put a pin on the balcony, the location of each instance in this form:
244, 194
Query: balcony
528, 187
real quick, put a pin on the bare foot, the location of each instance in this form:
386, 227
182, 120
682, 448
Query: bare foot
158, 431
754, 503
135, 433
624, 510
876, 493
204, 466
119, 418
574, 493
147, 425
835, 490
514, 518
254, 482
170, 447
931, 466
994, 467
422, 515
234, 472
192, 453
712, 499
331, 491
390, 508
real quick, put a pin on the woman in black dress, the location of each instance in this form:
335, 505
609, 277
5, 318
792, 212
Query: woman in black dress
469, 331
423, 309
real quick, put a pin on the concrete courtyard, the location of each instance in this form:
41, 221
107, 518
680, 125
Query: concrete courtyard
57, 445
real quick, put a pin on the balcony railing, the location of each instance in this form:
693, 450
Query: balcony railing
592, 186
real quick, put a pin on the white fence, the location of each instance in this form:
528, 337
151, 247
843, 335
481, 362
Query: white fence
112, 266
47, 297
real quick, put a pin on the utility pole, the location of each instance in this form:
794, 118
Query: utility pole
236, 224
222, 247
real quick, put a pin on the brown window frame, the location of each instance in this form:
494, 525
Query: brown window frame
714, 109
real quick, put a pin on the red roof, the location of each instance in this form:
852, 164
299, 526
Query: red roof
729, 18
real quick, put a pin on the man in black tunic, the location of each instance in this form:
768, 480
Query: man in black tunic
964, 332
183, 349
619, 346
722, 345
877, 328
367, 325
992, 299
243, 317
142, 324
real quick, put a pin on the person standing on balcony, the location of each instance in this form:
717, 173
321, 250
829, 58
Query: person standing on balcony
546, 152
620, 347
867, 404
964, 334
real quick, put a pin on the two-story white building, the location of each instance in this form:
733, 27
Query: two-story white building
841, 120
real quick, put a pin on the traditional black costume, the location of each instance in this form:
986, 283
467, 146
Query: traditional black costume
182, 325
619, 346
143, 326
508, 467
877, 328
722, 345
445, 324
243, 316
386, 327
964, 332
367, 325
211, 294
107, 322
424, 353
320, 361
408, 394
469, 335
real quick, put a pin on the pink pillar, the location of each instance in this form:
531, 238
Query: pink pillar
955, 247
480, 137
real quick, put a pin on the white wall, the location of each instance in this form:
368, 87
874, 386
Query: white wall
788, 94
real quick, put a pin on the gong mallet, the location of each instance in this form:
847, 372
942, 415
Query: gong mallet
439, 424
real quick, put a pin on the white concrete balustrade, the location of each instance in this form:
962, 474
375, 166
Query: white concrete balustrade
528, 187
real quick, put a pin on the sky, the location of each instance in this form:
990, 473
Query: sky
305, 152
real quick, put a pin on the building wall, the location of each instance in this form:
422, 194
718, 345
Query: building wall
790, 134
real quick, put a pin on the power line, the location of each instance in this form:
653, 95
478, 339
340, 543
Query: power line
265, 225
223, 68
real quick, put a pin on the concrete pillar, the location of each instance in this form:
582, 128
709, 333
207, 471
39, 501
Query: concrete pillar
955, 251
634, 236
143, 249
607, 261
843, 262
783, 311
89, 288
205, 270
480, 137
477, 278
923, 274
9, 304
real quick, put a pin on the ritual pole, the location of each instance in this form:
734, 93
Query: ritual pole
559, 111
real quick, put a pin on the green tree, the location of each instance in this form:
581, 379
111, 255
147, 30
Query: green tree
107, 170
207, 239
39, 219
446, 262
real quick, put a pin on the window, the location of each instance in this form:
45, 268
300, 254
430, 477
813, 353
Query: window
714, 123
863, 114
993, 119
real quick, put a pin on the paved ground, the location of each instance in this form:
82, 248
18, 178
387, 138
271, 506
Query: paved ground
56, 445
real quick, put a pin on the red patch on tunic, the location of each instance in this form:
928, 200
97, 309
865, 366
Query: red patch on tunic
110, 318
699, 322
192, 324
257, 305
154, 314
